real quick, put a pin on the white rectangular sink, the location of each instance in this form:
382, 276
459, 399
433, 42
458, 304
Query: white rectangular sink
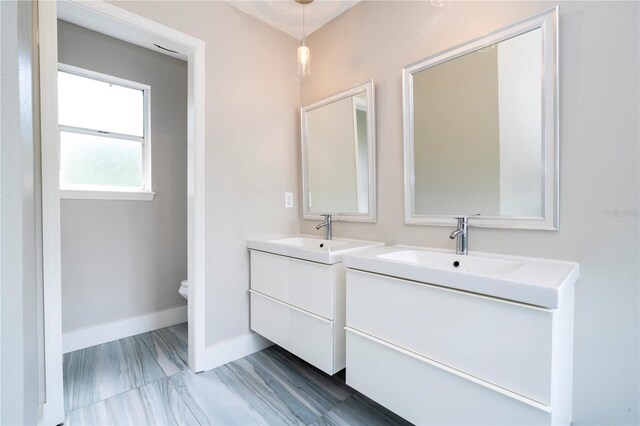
310, 248
534, 281
309, 242
450, 261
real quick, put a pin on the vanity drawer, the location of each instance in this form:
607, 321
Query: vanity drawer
308, 336
307, 285
423, 392
505, 343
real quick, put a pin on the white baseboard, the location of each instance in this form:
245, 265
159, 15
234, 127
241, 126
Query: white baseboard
91, 336
236, 348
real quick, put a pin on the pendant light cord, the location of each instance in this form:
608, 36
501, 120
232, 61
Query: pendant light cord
303, 32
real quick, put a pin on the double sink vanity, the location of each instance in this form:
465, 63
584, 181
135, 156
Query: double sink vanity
488, 341
439, 336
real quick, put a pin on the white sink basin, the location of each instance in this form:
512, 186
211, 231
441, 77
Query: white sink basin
310, 248
450, 261
540, 282
309, 242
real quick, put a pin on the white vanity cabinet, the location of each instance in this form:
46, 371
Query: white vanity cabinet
434, 354
298, 295
299, 305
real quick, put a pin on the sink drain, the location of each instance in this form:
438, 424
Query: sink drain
456, 264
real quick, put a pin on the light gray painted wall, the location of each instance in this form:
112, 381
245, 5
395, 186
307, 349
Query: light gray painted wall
126, 258
252, 138
19, 291
599, 167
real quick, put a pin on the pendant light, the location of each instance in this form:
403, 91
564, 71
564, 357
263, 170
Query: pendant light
304, 54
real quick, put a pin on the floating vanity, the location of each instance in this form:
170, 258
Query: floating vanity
441, 338
298, 296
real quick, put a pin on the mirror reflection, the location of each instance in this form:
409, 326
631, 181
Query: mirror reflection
338, 150
478, 132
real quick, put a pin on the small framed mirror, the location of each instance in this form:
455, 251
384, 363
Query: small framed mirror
339, 156
481, 130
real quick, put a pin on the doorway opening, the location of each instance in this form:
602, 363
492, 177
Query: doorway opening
111, 21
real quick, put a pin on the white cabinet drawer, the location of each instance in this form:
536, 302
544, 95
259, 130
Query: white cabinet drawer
308, 336
501, 342
425, 393
307, 285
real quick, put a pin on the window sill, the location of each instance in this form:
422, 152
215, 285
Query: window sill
73, 194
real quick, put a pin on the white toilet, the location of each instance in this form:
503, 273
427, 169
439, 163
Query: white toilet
184, 289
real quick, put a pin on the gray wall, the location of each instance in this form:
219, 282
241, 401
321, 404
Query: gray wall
252, 157
126, 258
599, 166
19, 214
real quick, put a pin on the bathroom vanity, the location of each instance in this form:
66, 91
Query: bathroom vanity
488, 341
298, 296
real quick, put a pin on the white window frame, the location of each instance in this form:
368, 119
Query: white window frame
145, 193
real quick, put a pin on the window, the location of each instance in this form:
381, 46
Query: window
104, 136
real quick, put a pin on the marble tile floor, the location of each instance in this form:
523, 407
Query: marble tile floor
144, 380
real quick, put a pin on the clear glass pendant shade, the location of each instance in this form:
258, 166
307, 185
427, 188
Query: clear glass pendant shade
304, 54
304, 61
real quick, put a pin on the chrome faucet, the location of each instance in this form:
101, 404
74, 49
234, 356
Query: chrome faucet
461, 234
327, 225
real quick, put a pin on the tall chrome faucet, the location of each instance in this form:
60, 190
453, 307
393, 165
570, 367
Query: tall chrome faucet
462, 235
327, 225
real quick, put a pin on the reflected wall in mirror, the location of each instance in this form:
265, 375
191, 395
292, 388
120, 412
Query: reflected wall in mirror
481, 130
338, 156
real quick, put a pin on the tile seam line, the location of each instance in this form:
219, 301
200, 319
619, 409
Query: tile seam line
120, 393
175, 389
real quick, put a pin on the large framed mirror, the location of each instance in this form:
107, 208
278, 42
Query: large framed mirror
481, 130
339, 156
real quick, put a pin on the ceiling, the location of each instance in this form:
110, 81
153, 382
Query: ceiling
286, 15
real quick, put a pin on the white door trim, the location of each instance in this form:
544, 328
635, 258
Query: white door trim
53, 412
101, 16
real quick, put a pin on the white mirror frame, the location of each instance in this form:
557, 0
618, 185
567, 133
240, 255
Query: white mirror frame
371, 215
547, 21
